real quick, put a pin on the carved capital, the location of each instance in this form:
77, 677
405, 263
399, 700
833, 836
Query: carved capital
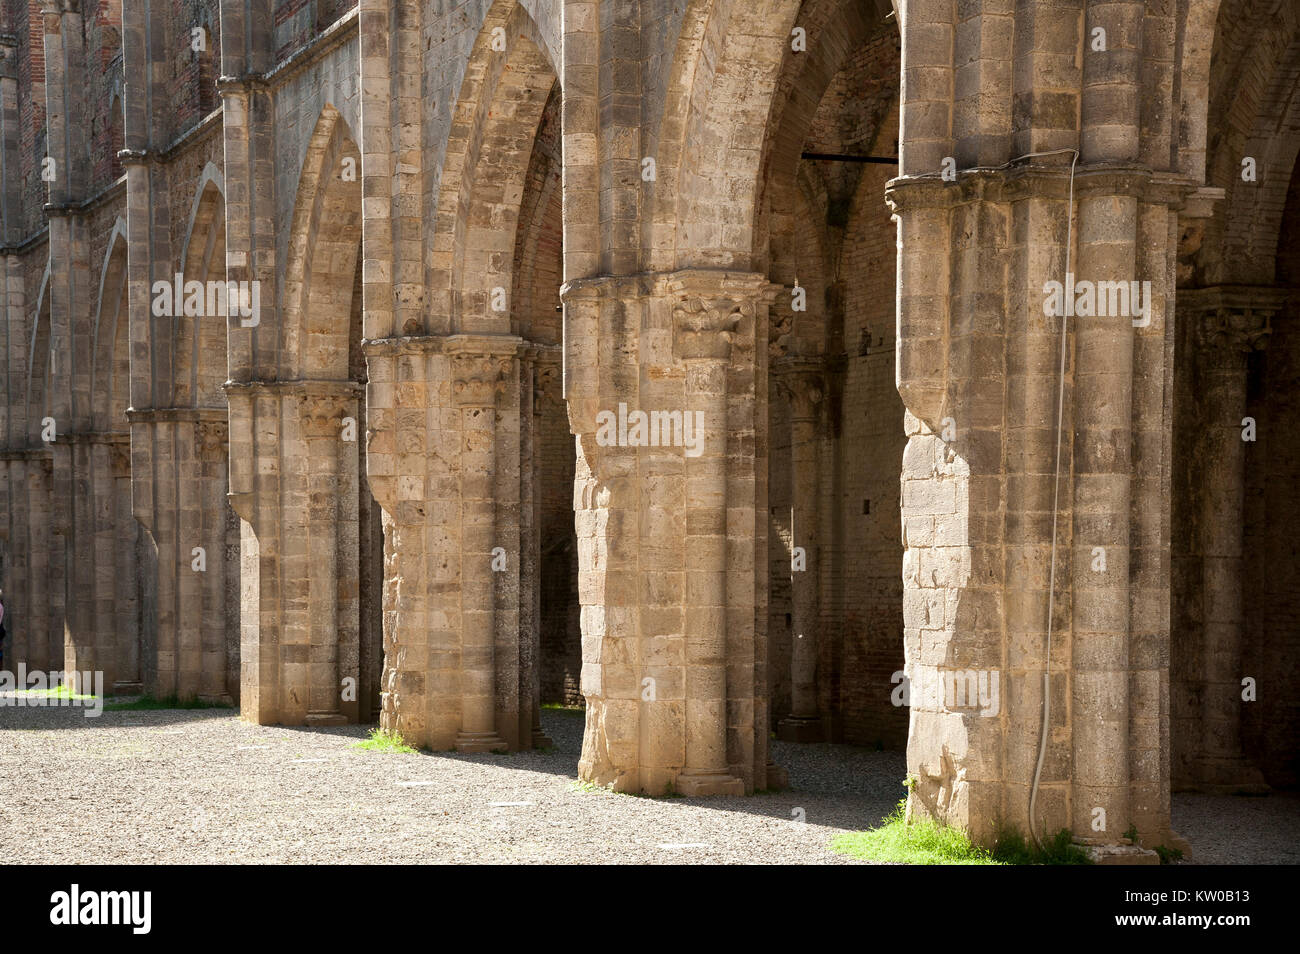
477, 379
1234, 331
120, 458
1231, 320
801, 383
546, 385
703, 328
322, 416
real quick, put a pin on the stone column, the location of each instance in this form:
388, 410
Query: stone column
800, 381
478, 376
125, 618
702, 333
538, 371
322, 422
299, 625
1231, 324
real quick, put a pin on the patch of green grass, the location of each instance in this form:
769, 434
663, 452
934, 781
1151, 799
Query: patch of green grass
58, 692
1010, 848
1168, 855
561, 707
581, 786
923, 842
381, 741
166, 702
894, 841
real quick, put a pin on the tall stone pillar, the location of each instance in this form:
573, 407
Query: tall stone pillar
322, 424
1231, 323
478, 376
674, 652
800, 380
448, 463
702, 333
297, 500
539, 371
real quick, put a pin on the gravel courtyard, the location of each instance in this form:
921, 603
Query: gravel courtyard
200, 786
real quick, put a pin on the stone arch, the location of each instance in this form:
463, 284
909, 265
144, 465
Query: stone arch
337, 575
110, 375
199, 342
500, 106
1253, 112
1196, 42
324, 251
710, 149
197, 612
115, 537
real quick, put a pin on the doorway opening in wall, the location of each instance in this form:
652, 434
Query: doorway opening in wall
835, 625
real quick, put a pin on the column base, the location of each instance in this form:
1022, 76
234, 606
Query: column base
541, 740
128, 688
709, 784
326, 718
777, 777
471, 742
801, 729
1231, 775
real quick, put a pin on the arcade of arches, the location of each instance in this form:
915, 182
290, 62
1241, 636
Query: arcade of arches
424, 363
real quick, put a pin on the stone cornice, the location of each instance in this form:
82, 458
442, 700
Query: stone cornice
320, 46
681, 283
95, 437
457, 343
39, 452
156, 415
1268, 299
197, 134
301, 387
1036, 179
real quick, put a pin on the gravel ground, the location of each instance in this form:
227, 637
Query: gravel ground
200, 786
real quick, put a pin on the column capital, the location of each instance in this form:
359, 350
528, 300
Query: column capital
708, 305
322, 414
1232, 320
800, 379
478, 377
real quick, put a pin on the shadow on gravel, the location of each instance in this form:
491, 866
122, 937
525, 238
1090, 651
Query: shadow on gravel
837, 786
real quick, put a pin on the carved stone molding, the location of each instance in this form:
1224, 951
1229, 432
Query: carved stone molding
477, 379
1231, 320
801, 382
120, 458
546, 384
212, 437
1230, 330
322, 416
703, 328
